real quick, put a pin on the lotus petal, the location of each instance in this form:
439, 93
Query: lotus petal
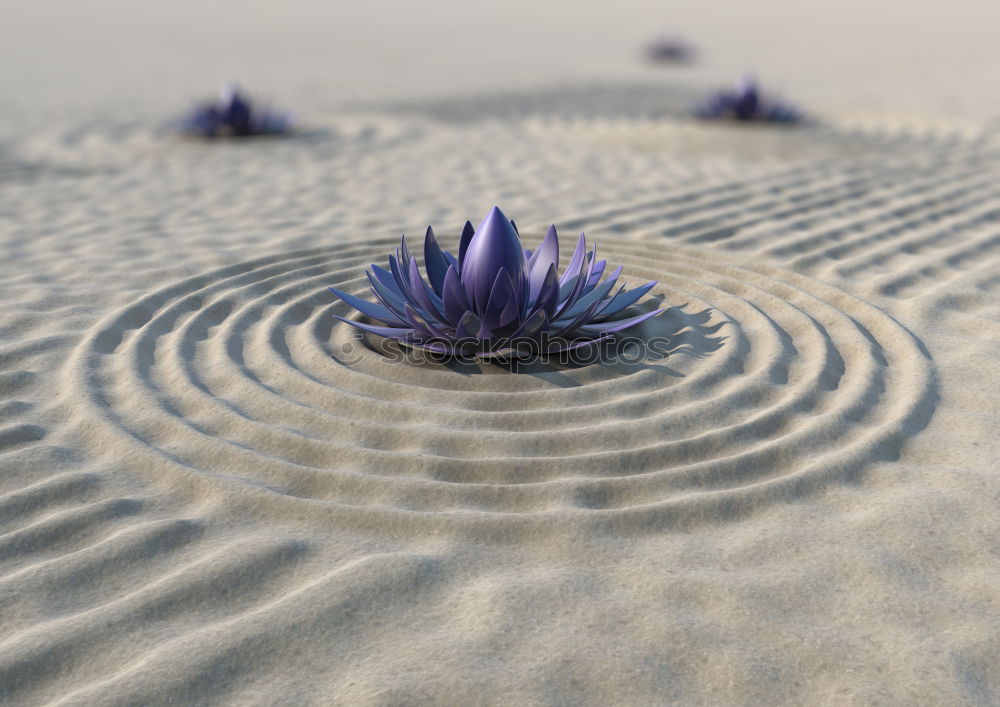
386, 331
596, 275
624, 299
387, 279
455, 301
538, 264
502, 300
536, 323
369, 309
471, 326
576, 261
389, 300
548, 296
467, 233
423, 294
596, 295
619, 325
435, 263
421, 325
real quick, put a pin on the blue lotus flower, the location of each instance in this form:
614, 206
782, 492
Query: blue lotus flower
745, 102
496, 298
232, 114
669, 50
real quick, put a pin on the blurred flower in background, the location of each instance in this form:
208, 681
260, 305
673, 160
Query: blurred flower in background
233, 114
669, 50
746, 102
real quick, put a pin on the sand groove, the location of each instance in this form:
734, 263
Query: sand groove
238, 379
789, 201
99, 146
179, 596
226, 647
895, 226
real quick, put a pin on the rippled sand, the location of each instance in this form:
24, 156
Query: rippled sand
213, 492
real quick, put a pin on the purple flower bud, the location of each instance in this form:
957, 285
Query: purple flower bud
494, 246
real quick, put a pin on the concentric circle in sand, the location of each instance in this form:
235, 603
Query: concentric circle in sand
771, 385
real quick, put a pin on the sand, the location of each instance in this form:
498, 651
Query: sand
211, 492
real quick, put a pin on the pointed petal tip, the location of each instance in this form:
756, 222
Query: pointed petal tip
497, 214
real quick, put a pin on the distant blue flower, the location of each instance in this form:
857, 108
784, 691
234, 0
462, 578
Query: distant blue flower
669, 50
496, 298
745, 102
232, 114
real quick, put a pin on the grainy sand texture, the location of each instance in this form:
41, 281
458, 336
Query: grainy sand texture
211, 492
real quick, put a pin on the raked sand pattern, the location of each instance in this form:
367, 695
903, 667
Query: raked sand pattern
244, 374
211, 491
